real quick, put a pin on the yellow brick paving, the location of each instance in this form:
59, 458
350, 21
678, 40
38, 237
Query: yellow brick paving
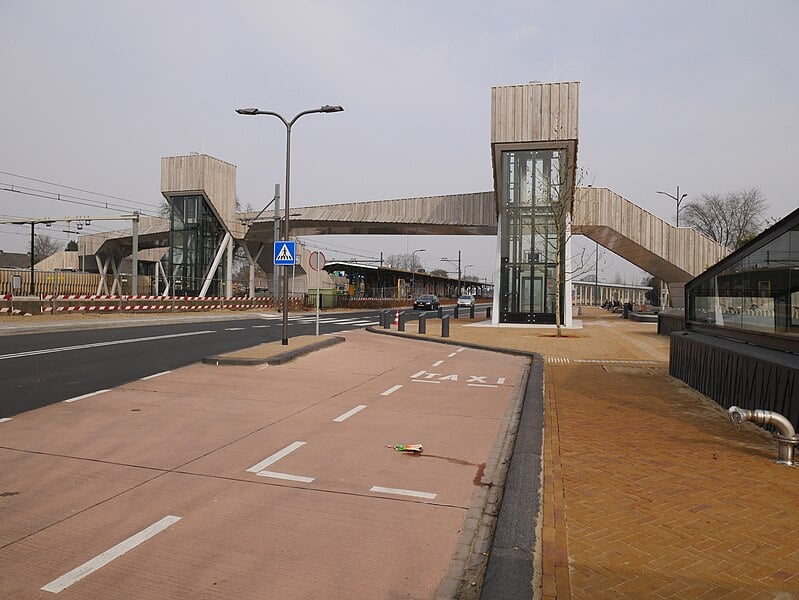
649, 491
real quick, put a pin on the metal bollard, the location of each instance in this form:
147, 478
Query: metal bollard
445, 326
385, 320
423, 324
488, 312
455, 312
401, 326
471, 311
440, 311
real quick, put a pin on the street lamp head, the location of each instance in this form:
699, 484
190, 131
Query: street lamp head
247, 111
330, 109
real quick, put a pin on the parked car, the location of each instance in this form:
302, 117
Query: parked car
426, 302
466, 300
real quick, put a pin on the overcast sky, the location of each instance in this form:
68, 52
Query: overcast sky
703, 95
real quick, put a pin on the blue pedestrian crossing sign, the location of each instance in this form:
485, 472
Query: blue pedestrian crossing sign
285, 253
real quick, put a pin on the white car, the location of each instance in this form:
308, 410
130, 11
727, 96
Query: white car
465, 300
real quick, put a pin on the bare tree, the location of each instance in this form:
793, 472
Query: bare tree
404, 262
44, 246
564, 180
731, 219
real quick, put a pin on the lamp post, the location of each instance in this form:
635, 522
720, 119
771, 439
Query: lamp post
413, 270
678, 199
255, 111
445, 259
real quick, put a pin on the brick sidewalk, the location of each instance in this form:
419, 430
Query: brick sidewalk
649, 491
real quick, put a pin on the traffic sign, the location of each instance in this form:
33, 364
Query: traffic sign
285, 253
317, 260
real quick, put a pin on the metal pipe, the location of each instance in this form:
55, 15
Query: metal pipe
786, 437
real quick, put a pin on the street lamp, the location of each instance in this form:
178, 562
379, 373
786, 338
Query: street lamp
413, 270
445, 259
678, 199
255, 111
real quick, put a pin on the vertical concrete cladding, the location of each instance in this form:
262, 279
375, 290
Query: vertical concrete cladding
202, 174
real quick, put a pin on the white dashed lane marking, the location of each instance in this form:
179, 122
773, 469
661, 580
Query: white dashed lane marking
154, 376
76, 398
349, 413
401, 492
106, 557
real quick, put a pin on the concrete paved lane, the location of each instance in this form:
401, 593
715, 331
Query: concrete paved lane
157, 489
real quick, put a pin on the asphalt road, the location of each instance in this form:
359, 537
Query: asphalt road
38, 369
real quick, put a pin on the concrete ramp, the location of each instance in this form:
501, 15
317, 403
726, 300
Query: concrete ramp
675, 255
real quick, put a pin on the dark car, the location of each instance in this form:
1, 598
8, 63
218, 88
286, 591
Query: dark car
426, 302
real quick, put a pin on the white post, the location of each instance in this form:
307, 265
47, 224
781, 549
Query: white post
318, 275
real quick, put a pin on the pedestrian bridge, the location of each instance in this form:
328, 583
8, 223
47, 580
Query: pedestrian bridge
674, 255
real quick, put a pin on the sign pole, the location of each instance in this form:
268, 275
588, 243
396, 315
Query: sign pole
317, 262
318, 294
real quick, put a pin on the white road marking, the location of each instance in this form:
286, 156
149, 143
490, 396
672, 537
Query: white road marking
419, 374
262, 368
4, 419
261, 326
275, 457
349, 413
500, 380
106, 557
438, 363
275, 475
100, 344
460, 349
234, 328
481, 385
401, 492
76, 398
154, 376
451, 355
391, 390
424, 381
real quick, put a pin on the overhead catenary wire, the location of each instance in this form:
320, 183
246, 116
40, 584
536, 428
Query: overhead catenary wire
57, 197
77, 189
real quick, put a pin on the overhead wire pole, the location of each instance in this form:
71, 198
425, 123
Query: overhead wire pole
286, 230
678, 199
50, 220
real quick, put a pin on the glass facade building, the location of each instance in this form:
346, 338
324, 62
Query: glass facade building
195, 236
532, 221
753, 294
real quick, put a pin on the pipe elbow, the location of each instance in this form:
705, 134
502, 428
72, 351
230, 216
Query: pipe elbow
763, 417
780, 423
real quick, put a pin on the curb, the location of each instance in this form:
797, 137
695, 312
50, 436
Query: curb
494, 556
277, 359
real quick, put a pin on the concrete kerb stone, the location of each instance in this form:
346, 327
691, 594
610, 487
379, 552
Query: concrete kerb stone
277, 359
464, 580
